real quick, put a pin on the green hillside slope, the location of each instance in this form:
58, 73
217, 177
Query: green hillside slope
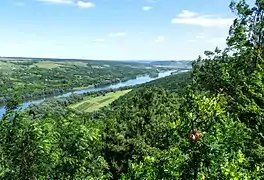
176, 83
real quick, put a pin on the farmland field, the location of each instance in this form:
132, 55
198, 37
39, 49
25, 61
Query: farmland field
48, 65
91, 104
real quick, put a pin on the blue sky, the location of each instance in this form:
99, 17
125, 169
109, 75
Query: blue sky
113, 29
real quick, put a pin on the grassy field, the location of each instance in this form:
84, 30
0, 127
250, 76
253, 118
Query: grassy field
54, 64
73, 63
91, 104
47, 64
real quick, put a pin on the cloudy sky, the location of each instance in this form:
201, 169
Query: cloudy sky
113, 29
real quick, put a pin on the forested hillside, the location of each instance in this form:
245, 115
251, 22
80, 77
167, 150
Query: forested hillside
37, 78
175, 83
203, 124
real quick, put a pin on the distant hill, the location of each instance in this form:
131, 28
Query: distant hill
177, 64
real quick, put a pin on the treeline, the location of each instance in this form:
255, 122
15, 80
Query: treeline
212, 128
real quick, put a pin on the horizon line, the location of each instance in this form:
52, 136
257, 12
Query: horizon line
23, 57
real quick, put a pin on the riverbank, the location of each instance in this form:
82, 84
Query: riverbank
131, 82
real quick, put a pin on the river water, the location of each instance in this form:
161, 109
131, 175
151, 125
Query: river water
131, 82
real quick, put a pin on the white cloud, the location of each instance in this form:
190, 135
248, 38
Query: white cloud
199, 36
187, 14
57, 1
193, 18
117, 34
160, 39
83, 4
79, 3
146, 8
99, 40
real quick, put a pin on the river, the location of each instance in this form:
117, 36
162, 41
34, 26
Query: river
131, 82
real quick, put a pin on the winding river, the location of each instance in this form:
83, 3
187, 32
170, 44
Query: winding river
131, 82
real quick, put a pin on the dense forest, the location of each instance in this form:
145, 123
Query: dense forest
203, 124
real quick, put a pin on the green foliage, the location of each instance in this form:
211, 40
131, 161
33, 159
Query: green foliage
13, 103
135, 127
47, 148
179, 158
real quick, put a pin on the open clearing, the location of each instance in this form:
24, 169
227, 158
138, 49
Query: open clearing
51, 64
91, 104
48, 64
72, 63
